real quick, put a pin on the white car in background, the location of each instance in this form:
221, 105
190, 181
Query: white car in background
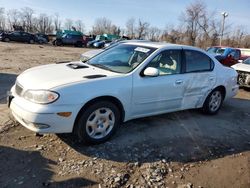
243, 70
128, 81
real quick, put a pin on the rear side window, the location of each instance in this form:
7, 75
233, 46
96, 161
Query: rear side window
197, 61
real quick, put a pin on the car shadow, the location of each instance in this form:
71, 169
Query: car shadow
21, 168
7, 80
183, 136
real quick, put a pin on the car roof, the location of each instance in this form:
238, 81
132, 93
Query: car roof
160, 45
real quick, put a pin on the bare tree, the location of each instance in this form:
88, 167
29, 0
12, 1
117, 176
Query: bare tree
101, 26
44, 23
68, 23
173, 35
13, 17
79, 25
195, 20
142, 29
130, 28
57, 22
27, 18
154, 33
2, 18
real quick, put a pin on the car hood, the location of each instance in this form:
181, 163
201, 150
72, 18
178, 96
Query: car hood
242, 67
55, 75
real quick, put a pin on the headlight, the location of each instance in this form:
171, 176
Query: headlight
41, 96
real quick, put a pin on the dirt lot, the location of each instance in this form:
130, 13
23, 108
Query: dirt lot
183, 149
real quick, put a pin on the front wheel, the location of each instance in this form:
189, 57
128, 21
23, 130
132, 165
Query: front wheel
213, 102
97, 123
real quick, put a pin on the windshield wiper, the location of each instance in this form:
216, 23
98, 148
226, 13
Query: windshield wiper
85, 61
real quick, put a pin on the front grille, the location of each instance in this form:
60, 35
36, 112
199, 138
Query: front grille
243, 78
18, 89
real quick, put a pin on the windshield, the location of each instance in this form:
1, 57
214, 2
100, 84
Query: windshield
212, 50
220, 51
247, 61
122, 58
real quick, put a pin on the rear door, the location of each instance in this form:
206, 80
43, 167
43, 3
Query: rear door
26, 37
199, 69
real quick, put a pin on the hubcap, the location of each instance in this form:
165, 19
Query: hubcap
215, 101
100, 123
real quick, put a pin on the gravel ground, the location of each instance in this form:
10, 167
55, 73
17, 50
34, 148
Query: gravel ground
176, 150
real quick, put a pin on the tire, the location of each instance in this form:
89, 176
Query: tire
78, 44
58, 43
31, 41
6, 39
97, 123
213, 102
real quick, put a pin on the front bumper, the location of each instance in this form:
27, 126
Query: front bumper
244, 79
43, 118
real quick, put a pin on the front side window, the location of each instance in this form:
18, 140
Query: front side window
220, 51
197, 61
122, 58
16, 33
167, 62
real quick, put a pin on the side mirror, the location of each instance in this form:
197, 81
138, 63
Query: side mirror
151, 71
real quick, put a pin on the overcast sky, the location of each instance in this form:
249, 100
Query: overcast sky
158, 13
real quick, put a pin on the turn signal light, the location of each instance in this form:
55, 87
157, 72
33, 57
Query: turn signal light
64, 114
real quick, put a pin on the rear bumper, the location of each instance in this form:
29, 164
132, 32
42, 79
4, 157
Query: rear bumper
232, 91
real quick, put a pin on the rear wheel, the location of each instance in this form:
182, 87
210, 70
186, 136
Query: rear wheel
6, 39
31, 41
213, 102
97, 123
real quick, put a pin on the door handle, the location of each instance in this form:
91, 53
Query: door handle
178, 82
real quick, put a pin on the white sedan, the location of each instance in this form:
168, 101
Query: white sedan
128, 81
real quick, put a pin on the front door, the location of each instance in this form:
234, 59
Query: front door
163, 93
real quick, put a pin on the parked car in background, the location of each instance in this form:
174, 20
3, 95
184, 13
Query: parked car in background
243, 70
128, 81
70, 39
86, 39
225, 55
18, 36
245, 53
90, 44
100, 44
41, 38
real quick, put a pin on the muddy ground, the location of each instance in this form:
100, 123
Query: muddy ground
182, 149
